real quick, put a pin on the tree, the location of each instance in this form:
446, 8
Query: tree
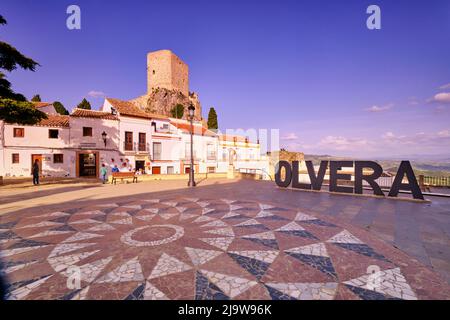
212, 119
84, 104
20, 112
177, 111
59, 107
36, 98
13, 106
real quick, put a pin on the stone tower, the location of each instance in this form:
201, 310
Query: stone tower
166, 70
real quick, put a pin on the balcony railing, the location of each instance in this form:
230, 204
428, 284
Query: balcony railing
128, 146
136, 147
142, 147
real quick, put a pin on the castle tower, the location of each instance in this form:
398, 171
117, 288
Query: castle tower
166, 70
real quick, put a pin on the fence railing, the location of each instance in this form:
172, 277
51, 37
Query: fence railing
436, 181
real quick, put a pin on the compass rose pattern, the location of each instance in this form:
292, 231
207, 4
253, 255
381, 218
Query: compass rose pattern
189, 248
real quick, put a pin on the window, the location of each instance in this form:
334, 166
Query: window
187, 151
211, 169
128, 141
224, 154
157, 150
170, 170
142, 141
153, 71
15, 158
19, 132
87, 131
53, 133
211, 151
58, 158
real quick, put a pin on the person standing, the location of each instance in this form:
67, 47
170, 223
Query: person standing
35, 172
104, 173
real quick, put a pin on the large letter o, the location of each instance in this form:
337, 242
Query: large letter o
288, 176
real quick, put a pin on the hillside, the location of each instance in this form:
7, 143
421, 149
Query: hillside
435, 168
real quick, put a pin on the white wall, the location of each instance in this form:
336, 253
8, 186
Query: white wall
77, 140
35, 136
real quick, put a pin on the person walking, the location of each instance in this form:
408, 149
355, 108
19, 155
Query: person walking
104, 173
35, 172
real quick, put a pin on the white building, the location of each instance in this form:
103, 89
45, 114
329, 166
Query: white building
70, 146
121, 134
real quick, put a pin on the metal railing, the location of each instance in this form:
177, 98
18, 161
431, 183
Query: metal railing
436, 181
262, 172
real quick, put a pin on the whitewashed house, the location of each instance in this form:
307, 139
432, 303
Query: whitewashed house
65, 146
45, 142
78, 145
205, 147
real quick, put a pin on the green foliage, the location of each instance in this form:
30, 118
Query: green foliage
84, 104
13, 106
177, 111
20, 112
212, 119
6, 92
10, 58
59, 107
36, 98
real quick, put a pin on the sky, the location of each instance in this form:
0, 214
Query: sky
311, 69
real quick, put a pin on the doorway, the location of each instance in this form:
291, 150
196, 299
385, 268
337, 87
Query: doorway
156, 170
140, 164
87, 164
37, 157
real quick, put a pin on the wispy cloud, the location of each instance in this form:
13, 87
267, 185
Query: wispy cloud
96, 94
445, 86
290, 136
443, 97
413, 101
376, 108
344, 144
440, 138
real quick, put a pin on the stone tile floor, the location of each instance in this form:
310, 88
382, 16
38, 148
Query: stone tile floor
209, 243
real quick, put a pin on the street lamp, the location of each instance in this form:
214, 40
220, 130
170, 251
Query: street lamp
104, 135
191, 182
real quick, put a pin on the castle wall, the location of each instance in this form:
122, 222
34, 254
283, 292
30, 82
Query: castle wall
166, 70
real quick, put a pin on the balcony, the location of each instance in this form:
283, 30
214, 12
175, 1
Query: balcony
128, 146
142, 147
136, 147
211, 156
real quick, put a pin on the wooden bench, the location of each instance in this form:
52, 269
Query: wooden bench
123, 175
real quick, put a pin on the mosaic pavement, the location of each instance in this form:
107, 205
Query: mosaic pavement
186, 248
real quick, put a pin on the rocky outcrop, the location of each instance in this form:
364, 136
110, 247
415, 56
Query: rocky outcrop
161, 101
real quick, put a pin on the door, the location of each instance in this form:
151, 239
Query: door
142, 142
87, 164
128, 141
156, 170
187, 170
140, 164
37, 157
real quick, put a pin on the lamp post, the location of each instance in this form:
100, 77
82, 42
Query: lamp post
191, 182
104, 135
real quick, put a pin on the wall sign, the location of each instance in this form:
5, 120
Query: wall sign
292, 176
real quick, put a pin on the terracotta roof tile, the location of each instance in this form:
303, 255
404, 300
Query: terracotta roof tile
41, 104
83, 113
186, 128
234, 138
126, 108
55, 121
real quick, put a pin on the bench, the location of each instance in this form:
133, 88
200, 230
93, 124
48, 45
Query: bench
122, 176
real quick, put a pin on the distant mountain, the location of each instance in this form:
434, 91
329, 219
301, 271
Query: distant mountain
429, 165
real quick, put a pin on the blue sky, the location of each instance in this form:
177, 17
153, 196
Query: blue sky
309, 68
